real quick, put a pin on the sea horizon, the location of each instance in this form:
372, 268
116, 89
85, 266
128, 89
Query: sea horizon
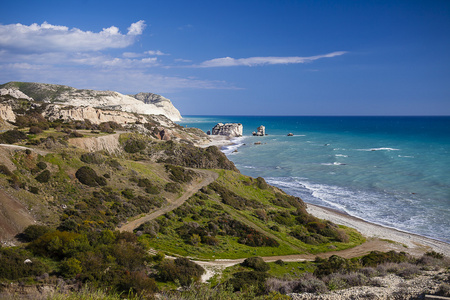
387, 170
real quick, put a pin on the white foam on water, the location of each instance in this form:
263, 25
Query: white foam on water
341, 155
236, 143
393, 211
379, 149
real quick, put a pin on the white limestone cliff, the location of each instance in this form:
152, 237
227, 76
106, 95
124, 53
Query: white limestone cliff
6, 113
15, 93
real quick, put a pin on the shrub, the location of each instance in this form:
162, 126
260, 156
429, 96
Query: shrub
12, 136
33, 232
13, 266
89, 177
43, 177
173, 187
69, 268
5, 171
179, 174
256, 263
35, 130
134, 146
334, 264
75, 134
181, 269
128, 193
34, 190
308, 283
41, 165
114, 164
261, 183
92, 158
244, 280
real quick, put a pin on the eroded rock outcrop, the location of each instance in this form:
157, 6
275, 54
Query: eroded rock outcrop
228, 129
142, 103
6, 113
94, 115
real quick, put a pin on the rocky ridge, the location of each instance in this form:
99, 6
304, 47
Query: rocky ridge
143, 103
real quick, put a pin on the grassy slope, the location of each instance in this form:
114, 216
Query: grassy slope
64, 189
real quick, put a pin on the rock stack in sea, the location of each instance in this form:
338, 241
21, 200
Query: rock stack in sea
261, 131
228, 129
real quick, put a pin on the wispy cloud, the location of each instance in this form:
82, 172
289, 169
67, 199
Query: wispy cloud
260, 61
46, 37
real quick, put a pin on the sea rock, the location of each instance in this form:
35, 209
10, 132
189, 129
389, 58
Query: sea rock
261, 131
290, 134
228, 129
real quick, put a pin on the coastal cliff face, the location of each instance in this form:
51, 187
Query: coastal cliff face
148, 104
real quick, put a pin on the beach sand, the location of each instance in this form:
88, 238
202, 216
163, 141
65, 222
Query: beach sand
218, 140
397, 240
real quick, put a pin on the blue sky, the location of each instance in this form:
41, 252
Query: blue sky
240, 57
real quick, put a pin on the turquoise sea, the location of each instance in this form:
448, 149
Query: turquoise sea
393, 171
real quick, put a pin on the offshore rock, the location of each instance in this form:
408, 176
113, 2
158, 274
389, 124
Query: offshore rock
228, 129
261, 131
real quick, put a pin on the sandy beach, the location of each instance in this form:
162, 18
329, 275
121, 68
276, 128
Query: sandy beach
218, 140
399, 240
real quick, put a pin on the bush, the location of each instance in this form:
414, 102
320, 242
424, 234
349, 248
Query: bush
181, 269
134, 146
5, 171
244, 280
69, 268
89, 177
92, 158
12, 136
128, 193
179, 174
256, 263
43, 177
13, 266
33, 232
41, 165
35, 130
173, 187
34, 190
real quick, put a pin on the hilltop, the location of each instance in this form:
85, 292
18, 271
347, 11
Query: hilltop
141, 103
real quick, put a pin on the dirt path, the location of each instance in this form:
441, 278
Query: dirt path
205, 179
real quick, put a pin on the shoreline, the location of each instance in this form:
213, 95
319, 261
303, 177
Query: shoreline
412, 243
401, 241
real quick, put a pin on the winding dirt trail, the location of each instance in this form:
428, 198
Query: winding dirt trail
205, 179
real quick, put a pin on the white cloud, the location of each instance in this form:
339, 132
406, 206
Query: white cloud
157, 52
54, 38
259, 61
150, 52
136, 28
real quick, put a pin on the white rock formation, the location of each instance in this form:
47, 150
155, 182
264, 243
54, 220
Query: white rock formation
228, 129
94, 115
14, 93
142, 103
117, 101
6, 113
